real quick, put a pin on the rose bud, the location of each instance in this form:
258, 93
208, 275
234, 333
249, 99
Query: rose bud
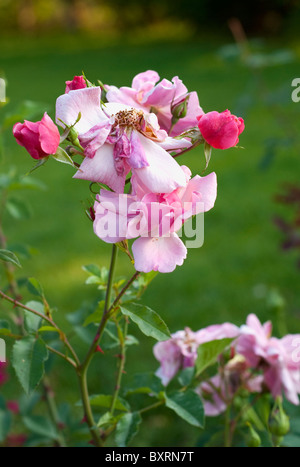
220, 130
78, 82
40, 138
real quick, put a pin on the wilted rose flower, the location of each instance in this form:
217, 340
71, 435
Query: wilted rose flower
154, 219
278, 359
220, 130
165, 98
118, 139
78, 82
40, 138
180, 351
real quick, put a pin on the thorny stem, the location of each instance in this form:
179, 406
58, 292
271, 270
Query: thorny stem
83, 369
88, 411
122, 358
96, 340
63, 337
60, 354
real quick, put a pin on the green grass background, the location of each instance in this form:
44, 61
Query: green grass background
241, 251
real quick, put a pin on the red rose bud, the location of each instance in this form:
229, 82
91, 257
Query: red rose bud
78, 82
220, 130
40, 139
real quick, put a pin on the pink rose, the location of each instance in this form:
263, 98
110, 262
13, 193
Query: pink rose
161, 97
220, 130
78, 82
40, 139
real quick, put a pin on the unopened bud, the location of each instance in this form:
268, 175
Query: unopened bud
73, 138
279, 422
179, 110
253, 439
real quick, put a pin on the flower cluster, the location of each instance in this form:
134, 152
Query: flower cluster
131, 137
257, 363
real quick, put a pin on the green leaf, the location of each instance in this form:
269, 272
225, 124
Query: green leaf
131, 340
4, 328
48, 329
33, 322
92, 269
5, 424
145, 383
35, 287
209, 352
127, 428
38, 164
186, 376
96, 316
188, 406
9, 257
41, 426
18, 209
29, 355
103, 400
62, 156
207, 153
149, 322
28, 183
108, 419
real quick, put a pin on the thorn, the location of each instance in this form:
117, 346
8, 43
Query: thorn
98, 349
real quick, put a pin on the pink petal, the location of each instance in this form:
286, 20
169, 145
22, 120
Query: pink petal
49, 135
149, 76
102, 169
161, 254
207, 187
161, 95
84, 101
163, 175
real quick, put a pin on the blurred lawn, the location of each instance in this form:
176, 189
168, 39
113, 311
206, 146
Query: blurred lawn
241, 248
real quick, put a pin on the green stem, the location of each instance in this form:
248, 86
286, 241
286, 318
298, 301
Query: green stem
100, 330
227, 434
122, 357
60, 354
152, 406
83, 368
46, 318
50, 401
89, 418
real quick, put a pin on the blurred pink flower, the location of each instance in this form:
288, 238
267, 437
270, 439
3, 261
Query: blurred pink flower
277, 358
118, 139
150, 95
180, 351
220, 130
40, 138
154, 218
13, 406
78, 82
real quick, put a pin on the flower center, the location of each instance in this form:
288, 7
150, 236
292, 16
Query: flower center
129, 118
